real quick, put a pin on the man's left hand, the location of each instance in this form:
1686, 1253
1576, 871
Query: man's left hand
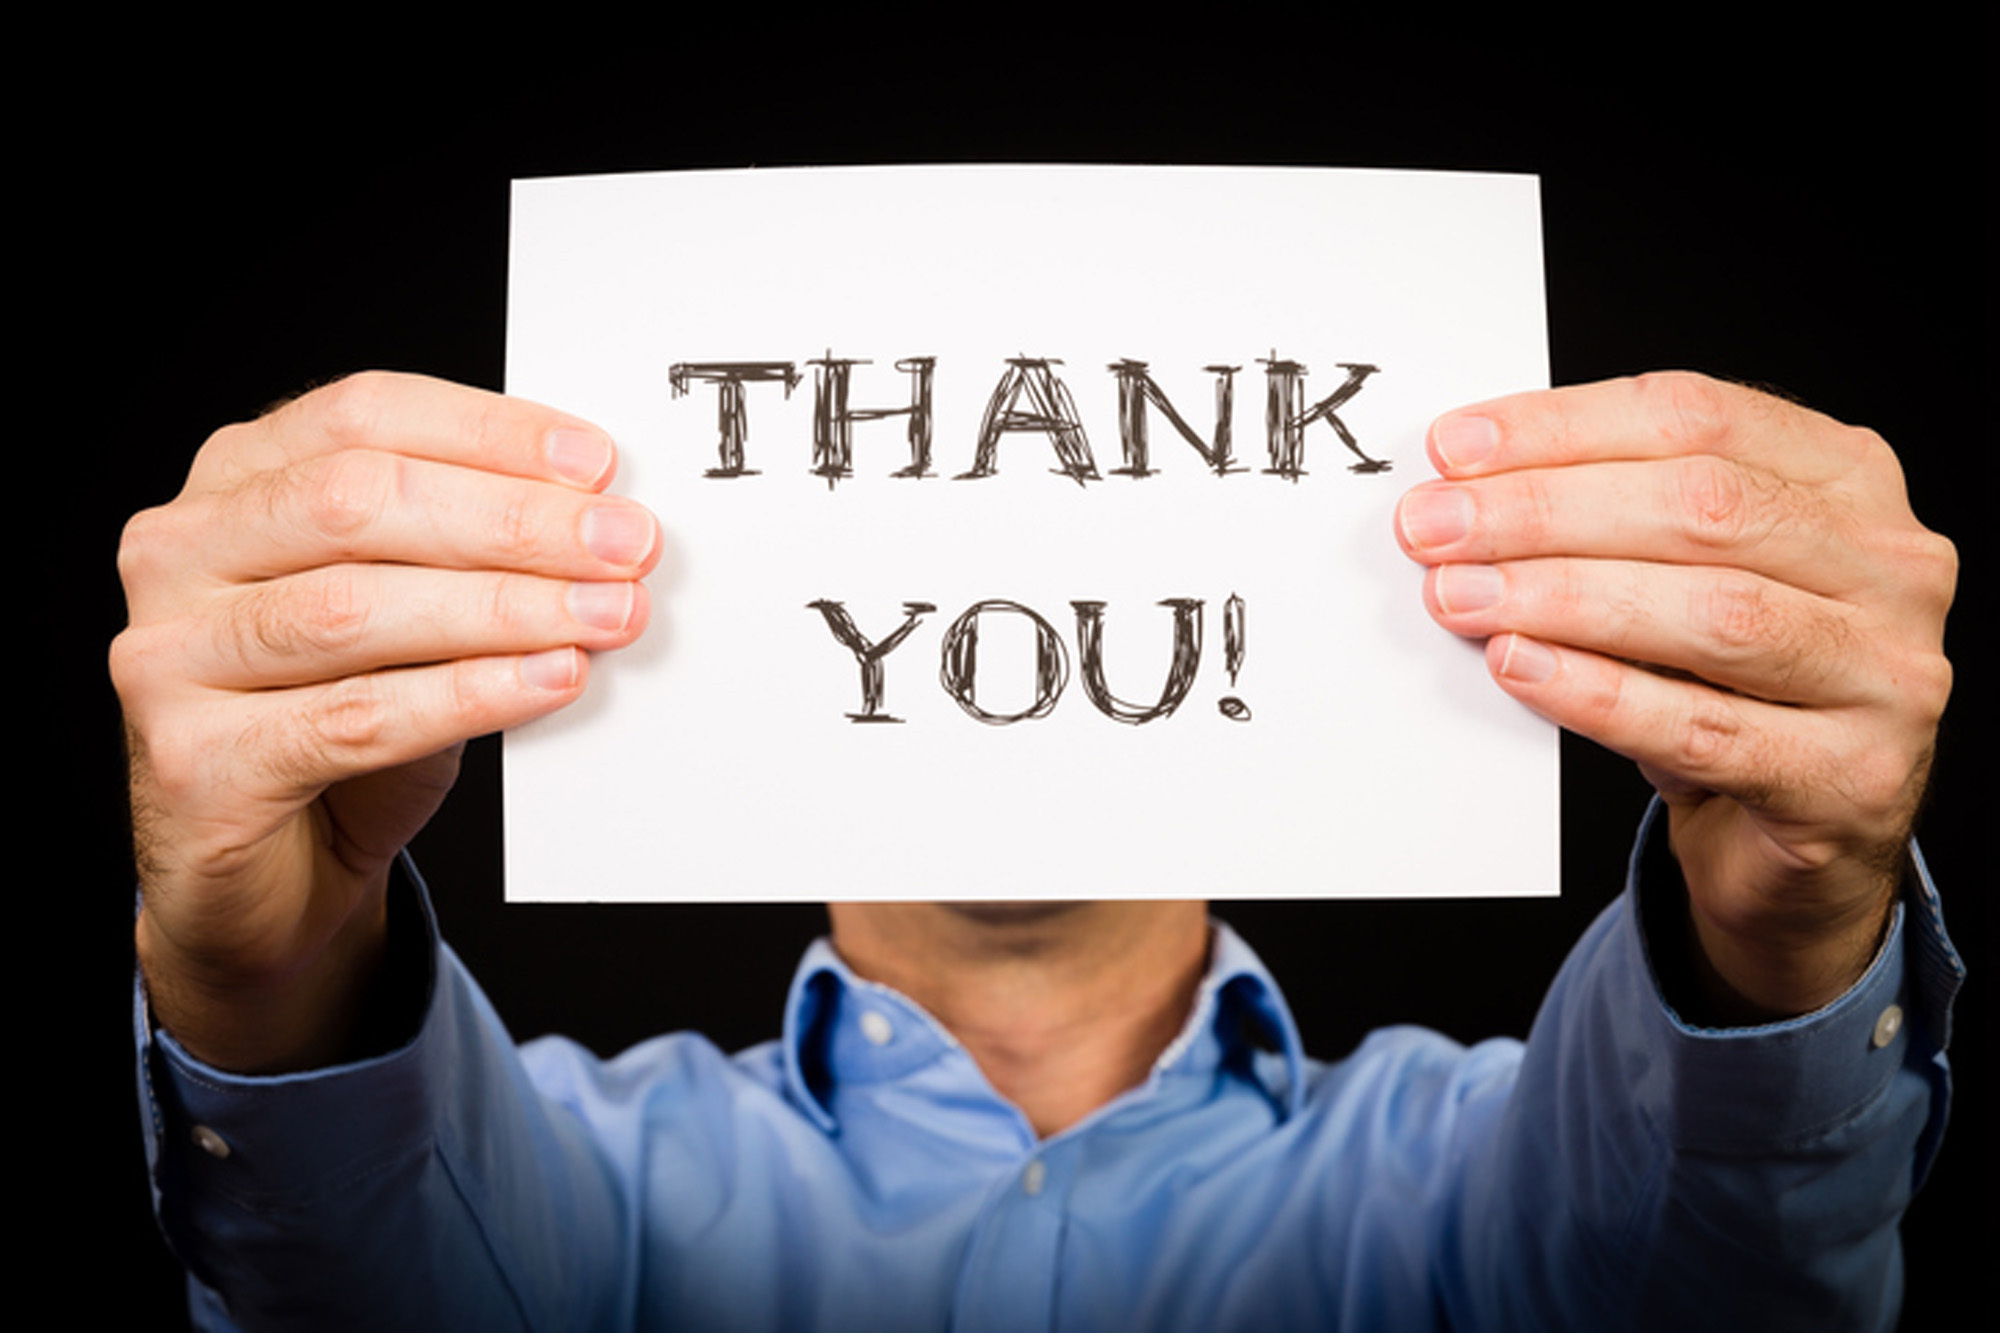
1732, 591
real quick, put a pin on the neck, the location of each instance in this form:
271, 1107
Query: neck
1063, 1005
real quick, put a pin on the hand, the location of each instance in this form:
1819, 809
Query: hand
344, 592
1732, 591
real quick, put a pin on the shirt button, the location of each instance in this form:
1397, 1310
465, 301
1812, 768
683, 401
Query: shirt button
209, 1141
877, 1028
1033, 1177
1888, 1025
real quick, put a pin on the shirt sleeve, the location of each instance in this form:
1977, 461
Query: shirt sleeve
1648, 1173
431, 1181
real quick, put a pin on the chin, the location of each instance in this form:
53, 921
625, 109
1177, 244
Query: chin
1011, 912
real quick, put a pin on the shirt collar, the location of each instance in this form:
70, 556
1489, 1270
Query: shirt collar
834, 1021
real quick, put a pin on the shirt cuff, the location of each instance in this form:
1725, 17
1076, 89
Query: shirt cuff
225, 1133
1744, 1089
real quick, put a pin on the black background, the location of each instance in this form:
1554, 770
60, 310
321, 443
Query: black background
1803, 209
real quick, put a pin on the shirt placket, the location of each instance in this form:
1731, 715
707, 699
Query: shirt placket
1009, 1279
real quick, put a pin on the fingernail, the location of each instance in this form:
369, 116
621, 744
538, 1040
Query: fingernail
619, 534
1434, 516
1463, 442
578, 455
555, 669
1525, 660
1464, 588
602, 605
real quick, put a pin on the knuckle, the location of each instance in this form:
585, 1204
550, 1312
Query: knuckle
1870, 461
1626, 618
351, 717
1792, 650
514, 528
1737, 611
1875, 452
1913, 568
342, 495
1922, 686
1615, 612
1708, 738
165, 763
169, 760
351, 409
169, 751
140, 546
1942, 554
331, 616
1692, 409
507, 601
1935, 560
1938, 684
1528, 510
464, 698
1712, 501
221, 454
130, 661
223, 440
1557, 591
1600, 702
255, 630
495, 430
321, 616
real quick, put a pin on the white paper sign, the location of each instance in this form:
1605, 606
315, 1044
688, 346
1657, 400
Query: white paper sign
1029, 534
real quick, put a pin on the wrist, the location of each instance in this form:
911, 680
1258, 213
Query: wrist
1748, 971
271, 1018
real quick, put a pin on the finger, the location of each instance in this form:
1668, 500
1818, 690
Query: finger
418, 417
353, 619
1746, 633
1794, 765
285, 746
366, 505
1650, 417
1699, 510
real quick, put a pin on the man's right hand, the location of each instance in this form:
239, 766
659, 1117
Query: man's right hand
345, 591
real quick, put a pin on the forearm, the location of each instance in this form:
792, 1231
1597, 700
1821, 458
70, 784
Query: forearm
1655, 1170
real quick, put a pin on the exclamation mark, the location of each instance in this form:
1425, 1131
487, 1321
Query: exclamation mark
1230, 706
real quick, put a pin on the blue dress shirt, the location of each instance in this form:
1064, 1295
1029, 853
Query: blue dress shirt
1621, 1169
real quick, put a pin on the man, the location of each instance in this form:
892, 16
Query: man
1727, 588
